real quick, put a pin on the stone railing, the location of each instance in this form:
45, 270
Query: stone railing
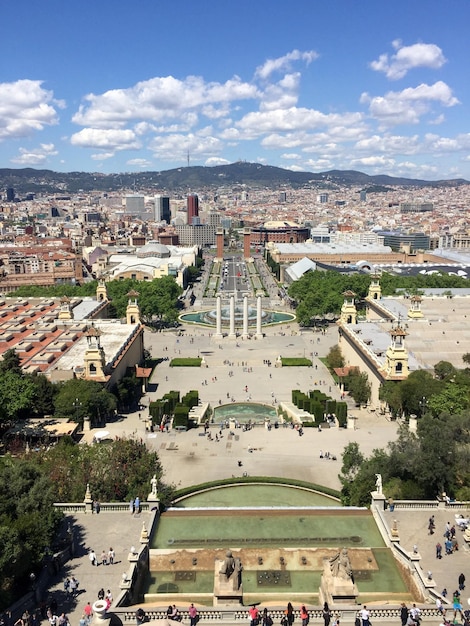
105, 507
431, 504
240, 615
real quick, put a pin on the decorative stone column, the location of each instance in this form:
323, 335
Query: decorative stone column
88, 500
259, 333
218, 319
245, 317
232, 317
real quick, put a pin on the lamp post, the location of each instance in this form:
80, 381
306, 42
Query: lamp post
77, 404
422, 405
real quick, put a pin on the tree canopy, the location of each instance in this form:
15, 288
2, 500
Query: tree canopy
158, 298
319, 293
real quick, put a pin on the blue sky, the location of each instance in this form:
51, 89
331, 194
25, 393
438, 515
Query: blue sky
308, 85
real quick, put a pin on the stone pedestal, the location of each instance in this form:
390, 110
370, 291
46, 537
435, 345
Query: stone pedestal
413, 424
226, 590
378, 500
100, 617
351, 422
336, 590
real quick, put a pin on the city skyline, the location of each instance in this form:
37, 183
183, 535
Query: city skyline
119, 86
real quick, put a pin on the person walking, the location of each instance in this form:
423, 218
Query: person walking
92, 557
462, 582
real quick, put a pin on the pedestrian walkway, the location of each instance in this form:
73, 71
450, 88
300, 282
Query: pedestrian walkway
116, 530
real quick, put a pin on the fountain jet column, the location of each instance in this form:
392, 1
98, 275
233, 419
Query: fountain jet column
218, 320
259, 333
245, 317
232, 317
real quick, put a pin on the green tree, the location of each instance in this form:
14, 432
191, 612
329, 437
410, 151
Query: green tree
444, 370
115, 470
434, 465
358, 386
10, 362
78, 398
335, 357
417, 389
452, 399
390, 393
44, 394
16, 395
28, 522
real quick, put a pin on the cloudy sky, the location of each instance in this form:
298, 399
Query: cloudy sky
311, 85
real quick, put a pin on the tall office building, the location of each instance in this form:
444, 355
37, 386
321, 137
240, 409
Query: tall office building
162, 209
192, 206
135, 203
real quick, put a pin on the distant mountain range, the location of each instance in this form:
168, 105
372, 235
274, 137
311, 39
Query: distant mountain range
197, 178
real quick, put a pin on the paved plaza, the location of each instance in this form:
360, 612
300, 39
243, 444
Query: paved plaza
189, 458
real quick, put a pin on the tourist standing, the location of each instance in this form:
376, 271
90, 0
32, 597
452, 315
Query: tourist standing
365, 616
304, 616
111, 556
289, 614
326, 613
403, 614
266, 619
462, 582
193, 615
254, 615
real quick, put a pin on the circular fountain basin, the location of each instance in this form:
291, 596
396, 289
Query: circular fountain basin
209, 318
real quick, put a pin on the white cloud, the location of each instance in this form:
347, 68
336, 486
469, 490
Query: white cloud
143, 163
409, 105
409, 57
177, 146
111, 139
160, 99
25, 108
102, 156
391, 144
284, 63
291, 156
35, 157
373, 161
282, 95
216, 161
258, 123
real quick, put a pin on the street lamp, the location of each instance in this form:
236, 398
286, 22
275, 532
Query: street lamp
77, 404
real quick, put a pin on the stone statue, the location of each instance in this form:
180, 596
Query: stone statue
228, 566
154, 483
378, 483
340, 566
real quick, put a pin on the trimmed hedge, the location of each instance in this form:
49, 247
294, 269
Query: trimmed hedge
189, 362
186, 491
295, 362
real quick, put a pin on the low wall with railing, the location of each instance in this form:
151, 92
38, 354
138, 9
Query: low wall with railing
240, 614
